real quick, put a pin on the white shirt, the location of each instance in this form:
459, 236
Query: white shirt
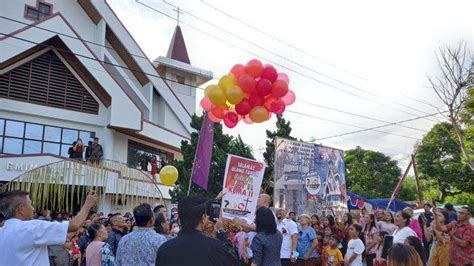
26, 242
400, 235
355, 246
287, 228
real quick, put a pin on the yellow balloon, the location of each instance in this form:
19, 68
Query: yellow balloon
226, 81
258, 114
234, 94
229, 105
168, 175
216, 94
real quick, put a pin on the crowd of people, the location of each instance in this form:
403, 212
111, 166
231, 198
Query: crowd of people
189, 235
92, 153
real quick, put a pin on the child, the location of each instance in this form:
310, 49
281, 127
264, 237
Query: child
355, 247
334, 255
380, 238
327, 235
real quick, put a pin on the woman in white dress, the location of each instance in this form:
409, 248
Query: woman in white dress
402, 220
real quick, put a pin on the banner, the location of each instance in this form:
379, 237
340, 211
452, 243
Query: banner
203, 156
308, 177
242, 181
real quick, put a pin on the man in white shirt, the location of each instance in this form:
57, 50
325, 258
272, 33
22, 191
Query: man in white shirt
24, 241
289, 230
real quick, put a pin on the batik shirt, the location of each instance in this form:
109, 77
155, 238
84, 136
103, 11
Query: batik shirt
139, 247
461, 255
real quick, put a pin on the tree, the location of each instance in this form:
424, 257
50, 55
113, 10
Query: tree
371, 174
439, 160
408, 190
283, 129
223, 144
452, 89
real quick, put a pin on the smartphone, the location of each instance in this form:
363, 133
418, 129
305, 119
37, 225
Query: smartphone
387, 244
213, 209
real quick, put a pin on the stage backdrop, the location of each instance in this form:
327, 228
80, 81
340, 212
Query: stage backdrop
309, 178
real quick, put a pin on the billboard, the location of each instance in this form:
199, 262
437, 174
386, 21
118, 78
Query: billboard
308, 177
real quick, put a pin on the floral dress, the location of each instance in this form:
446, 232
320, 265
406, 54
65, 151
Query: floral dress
108, 258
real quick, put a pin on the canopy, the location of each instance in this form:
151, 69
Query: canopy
356, 201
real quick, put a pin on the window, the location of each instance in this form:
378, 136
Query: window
18, 137
139, 156
14, 129
41, 10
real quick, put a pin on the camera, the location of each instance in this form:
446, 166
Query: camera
213, 209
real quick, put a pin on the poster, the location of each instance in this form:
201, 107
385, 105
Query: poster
242, 181
308, 177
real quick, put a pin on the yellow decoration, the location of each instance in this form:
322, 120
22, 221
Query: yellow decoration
234, 94
259, 114
168, 175
229, 105
226, 81
215, 94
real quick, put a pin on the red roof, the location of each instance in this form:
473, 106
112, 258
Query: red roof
177, 49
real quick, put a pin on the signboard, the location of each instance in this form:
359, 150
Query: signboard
308, 177
242, 181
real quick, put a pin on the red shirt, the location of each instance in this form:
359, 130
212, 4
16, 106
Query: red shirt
461, 255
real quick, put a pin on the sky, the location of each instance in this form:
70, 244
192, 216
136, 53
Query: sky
370, 58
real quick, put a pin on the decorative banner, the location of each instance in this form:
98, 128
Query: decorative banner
203, 156
308, 177
242, 181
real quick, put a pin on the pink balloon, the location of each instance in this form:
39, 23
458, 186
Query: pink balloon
270, 73
284, 77
247, 120
269, 116
206, 104
213, 118
231, 119
254, 68
289, 98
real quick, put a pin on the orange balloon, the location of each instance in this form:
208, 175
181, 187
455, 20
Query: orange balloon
219, 111
258, 114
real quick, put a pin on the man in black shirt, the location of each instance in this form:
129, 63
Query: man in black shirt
425, 220
192, 247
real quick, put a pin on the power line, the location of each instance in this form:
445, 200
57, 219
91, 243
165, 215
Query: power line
303, 114
74, 37
296, 48
362, 116
281, 41
351, 125
385, 125
290, 69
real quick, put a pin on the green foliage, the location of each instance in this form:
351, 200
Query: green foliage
408, 191
462, 199
439, 160
283, 130
371, 174
223, 144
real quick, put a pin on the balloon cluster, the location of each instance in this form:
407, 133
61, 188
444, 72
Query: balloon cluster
250, 93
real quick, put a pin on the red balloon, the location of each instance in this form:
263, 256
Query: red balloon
256, 100
254, 68
244, 107
247, 83
281, 110
231, 119
276, 105
264, 87
219, 111
270, 73
238, 70
280, 89
213, 118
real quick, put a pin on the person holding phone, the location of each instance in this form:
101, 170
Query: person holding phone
24, 241
78, 150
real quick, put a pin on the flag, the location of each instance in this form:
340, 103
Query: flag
399, 185
203, 156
